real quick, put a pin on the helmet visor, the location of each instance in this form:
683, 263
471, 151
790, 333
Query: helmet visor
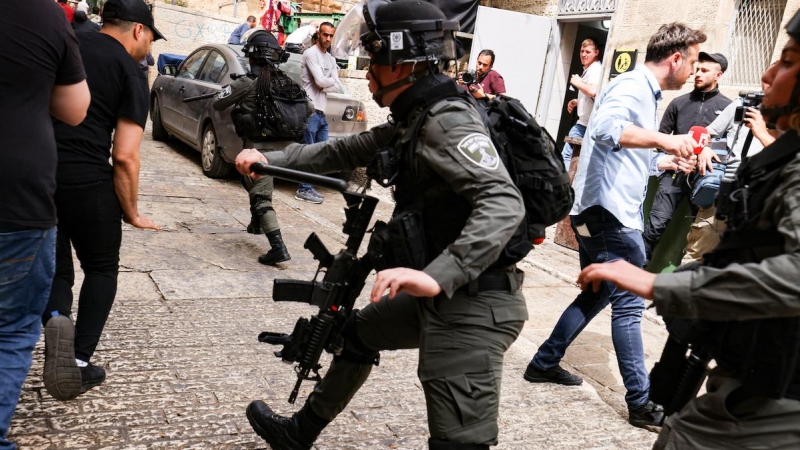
347, 40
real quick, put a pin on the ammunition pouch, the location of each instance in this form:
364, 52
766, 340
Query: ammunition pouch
400, 243
763, 354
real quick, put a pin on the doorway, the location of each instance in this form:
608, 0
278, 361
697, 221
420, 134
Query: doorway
590, 29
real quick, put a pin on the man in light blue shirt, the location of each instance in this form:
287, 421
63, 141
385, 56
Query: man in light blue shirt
617, 158
236, 36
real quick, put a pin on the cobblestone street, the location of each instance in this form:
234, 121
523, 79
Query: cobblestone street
183, 361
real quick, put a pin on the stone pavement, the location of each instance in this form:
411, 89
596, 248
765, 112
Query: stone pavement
183, 361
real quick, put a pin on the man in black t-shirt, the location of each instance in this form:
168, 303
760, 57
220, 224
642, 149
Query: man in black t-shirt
92, 195
33, 85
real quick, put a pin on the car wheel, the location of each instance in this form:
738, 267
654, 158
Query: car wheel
213, 164
159, 132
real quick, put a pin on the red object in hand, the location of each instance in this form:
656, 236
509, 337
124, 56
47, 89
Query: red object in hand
701, 136
538, 241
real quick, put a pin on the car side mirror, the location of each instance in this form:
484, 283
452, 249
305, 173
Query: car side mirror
170, 69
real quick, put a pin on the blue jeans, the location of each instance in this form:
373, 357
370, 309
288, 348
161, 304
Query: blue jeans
27, 265
609, 241
577, 130
316, 131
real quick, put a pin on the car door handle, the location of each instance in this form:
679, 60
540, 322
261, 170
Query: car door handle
182, 89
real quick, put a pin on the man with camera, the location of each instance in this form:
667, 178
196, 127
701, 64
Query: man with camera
587, 84
484, 82
742, 303
734, 124
697, 108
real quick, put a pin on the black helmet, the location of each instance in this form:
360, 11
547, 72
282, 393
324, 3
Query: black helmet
772, 114
261, 44
396, 32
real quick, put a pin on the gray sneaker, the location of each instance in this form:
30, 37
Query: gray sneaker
309, 195
62, 377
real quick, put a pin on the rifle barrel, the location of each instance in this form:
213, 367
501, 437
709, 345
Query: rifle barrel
199, 97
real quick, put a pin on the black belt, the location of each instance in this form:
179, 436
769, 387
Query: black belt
319, 112
495, 281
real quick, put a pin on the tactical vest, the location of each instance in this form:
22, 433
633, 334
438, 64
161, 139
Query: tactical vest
418, 190
763, 354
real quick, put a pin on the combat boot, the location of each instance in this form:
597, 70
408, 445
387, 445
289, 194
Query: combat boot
285, 433
255, 222
278, 253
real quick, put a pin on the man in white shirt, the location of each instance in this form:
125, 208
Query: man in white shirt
320, 76
587, 84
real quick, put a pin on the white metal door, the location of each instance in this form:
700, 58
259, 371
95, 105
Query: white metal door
520, 43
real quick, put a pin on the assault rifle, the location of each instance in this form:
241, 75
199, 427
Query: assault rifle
335, 294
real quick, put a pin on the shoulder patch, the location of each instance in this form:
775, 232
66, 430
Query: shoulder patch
225, 92
479, 149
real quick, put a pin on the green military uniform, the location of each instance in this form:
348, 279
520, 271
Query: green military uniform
463, 332
243, 92
755, 287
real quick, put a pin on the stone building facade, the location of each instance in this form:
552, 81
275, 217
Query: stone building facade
748, 32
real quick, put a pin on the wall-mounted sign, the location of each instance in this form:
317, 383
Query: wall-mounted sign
623, 61
568, 7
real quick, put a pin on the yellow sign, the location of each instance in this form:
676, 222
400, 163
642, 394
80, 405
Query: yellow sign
624, 61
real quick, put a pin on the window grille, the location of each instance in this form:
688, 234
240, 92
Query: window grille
751, 40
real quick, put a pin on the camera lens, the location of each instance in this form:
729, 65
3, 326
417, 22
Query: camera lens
468, 77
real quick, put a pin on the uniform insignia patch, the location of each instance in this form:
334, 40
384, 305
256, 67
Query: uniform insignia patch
225, 92
479, 149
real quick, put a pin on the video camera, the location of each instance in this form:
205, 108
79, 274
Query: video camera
749, 99
469, 77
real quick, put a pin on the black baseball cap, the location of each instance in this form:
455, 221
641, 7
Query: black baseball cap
132, 11
718, 58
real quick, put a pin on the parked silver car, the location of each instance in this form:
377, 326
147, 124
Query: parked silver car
211, 132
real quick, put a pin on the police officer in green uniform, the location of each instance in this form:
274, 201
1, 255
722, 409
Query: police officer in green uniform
462, 307
745, 293
262, 49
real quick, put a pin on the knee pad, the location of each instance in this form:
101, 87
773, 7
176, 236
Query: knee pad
261, 204
262, 210
437, 444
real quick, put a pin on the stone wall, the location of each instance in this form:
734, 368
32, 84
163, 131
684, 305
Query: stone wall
547, 8
633, 24
252, 7
186, 29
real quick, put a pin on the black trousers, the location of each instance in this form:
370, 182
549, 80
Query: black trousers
671, 191
89, 219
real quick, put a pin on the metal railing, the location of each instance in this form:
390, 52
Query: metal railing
751, 40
